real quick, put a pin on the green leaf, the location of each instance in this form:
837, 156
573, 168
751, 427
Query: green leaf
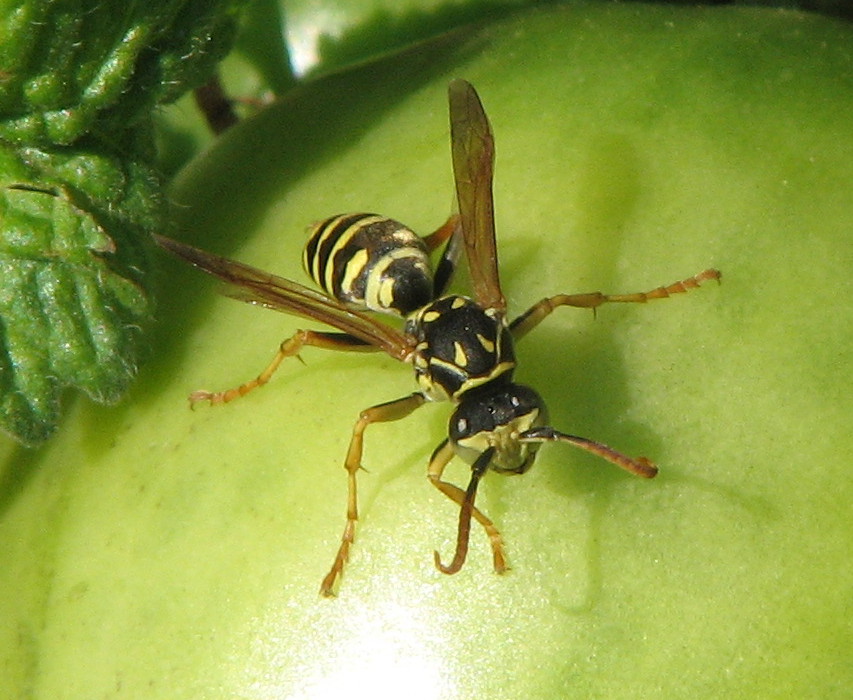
69, 67
79, 196
74, 292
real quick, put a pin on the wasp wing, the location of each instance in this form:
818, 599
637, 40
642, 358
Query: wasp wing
255, 286
473, 148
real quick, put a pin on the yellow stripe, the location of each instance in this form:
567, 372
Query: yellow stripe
321, 233
378, 295
459, 356
353, 269
473, 382
487, 344
345, 237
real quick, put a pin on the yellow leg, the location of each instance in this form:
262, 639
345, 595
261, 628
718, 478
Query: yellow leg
383, 413
440, 459
289, 348
442, 233
536, 313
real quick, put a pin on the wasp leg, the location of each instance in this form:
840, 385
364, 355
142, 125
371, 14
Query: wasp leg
450, 231
289, 348
440, 459
465, 512
536, 313
383, 413
442, 233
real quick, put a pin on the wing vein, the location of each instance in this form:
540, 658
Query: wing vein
255, 286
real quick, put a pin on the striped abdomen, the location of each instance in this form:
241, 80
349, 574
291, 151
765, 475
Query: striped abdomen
370, 261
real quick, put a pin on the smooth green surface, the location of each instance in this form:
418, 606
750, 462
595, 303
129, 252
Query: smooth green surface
157, 552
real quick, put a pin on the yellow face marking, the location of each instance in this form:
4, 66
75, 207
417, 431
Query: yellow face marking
478, 442
510, 454
430, 316
459, 356
457, 303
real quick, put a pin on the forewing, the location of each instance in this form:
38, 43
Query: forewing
255, 286
473, 148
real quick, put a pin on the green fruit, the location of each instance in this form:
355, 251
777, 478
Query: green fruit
153, 551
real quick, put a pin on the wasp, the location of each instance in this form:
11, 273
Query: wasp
461, 348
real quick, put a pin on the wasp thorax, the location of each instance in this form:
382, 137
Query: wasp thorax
496, 416
460, 346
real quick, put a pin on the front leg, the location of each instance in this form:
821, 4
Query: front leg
383, 413
440, 459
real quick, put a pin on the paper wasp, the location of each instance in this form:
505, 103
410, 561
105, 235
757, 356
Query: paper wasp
461, 348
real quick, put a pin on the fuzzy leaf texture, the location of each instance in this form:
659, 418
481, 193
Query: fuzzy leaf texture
72, 273
79, 196
68, 66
